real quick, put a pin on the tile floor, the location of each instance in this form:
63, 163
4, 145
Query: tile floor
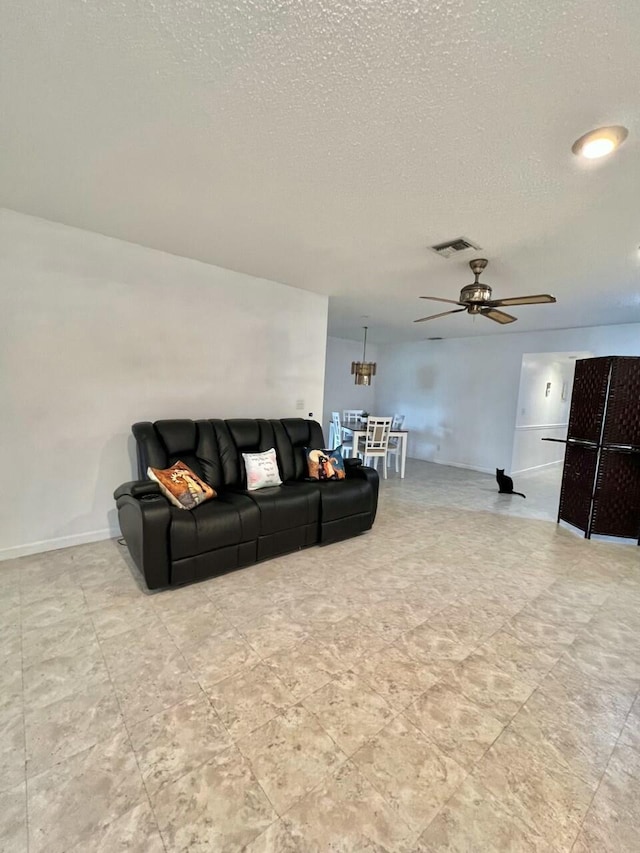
464, 677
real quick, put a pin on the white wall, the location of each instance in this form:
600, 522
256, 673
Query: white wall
535, 405
460, 395
97, 333
340, 390
542, 411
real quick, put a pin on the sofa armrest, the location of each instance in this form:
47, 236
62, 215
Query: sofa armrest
137, 488
365, 472
361, 472
145, 518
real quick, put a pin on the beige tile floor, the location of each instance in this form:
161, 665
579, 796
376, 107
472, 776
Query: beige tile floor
464, 677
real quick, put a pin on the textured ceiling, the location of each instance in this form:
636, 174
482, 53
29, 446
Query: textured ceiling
326, 144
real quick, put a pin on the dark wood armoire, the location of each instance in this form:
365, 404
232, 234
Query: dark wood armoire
601, 478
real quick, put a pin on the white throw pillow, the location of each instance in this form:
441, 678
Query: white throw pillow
262, 470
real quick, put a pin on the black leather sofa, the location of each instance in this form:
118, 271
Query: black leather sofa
174, 546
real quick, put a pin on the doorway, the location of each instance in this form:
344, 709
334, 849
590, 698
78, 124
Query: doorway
544, 400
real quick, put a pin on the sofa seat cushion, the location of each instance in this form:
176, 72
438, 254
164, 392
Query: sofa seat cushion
229, 520
283, 508
344, 498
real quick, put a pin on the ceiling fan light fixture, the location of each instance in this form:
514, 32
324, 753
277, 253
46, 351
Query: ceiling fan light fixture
600, 142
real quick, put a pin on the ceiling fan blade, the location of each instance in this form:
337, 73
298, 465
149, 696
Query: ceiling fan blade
440, 299
444, 314
498, 316
537, 299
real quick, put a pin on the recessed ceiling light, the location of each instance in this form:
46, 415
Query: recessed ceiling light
600, 142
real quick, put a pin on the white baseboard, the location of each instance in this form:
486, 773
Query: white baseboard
59, 542
537, 467
542, 426
462, 465
492, 470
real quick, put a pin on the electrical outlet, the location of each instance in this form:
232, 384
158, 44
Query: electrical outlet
299, 404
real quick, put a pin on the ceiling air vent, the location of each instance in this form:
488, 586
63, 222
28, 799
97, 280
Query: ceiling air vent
453, 247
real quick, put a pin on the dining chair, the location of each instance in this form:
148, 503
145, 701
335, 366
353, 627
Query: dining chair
376, 442
350, 415
394, 443
337, 437
334, 435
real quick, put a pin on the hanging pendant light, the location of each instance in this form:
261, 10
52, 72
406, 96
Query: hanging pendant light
364, 370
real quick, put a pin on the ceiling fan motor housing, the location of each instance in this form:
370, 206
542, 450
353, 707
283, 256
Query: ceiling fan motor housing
474, 296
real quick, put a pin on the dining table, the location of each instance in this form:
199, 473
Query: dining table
358, 430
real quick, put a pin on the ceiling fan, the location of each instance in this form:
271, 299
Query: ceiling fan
476, 299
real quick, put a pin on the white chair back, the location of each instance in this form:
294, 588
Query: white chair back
377, 438
335, 431
351, 415
338, 437
376, 443
394, 443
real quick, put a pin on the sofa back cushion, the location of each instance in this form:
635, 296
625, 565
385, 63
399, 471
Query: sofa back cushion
238, 436
293, 437
213, 448
163, 443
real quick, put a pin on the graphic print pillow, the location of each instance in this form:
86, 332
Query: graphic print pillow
325, 464
262, 470
181, 485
